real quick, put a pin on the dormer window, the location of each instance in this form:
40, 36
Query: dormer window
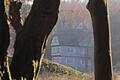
55, 41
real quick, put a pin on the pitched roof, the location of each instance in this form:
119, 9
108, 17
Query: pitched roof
72, 37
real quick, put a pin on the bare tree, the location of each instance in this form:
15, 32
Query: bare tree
102, 56
31, 40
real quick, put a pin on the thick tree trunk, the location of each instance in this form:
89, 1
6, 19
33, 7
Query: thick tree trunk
4, 32
4, 40
102, 56
30, 43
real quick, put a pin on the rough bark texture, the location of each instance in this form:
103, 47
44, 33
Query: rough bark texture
102, 55
4, 41
4, 32
14, 15
30, 43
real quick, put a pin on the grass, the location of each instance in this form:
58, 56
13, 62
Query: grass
55, 71
49, 76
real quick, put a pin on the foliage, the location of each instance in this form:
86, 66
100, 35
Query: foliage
54, 71
59, 69
6, 3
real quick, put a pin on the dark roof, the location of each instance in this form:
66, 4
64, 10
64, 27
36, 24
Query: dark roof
72, 37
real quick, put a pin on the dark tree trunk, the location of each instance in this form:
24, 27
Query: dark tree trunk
30, 43
4, 40
102, 56
14, 15
4, 32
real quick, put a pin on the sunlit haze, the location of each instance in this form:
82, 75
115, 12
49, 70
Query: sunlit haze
82, 1
74, 0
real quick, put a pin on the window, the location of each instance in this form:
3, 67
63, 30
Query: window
81, 61
71, 49
89, 62
82, 51
56, 50
55, 41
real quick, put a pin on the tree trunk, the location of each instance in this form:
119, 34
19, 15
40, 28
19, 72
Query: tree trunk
14, 15
30, 43
4, 32
102, 39
4, 41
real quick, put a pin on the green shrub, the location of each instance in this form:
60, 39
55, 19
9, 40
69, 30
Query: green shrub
59, 69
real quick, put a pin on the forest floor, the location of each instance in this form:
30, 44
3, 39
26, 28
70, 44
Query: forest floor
117, 76
47, 76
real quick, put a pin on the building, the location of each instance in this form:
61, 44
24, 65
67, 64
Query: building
72, 47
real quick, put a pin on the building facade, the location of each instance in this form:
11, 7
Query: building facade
72, 47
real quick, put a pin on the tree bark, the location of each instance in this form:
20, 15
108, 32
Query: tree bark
4, 32
14, 15
30, 43
4, 41
102, 39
